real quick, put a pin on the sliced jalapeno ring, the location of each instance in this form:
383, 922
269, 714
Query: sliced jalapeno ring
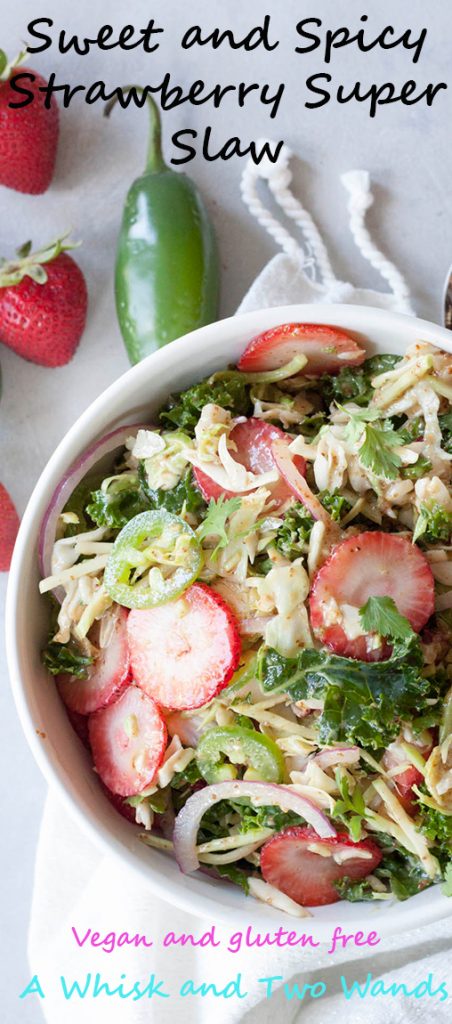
259, 754
155, 557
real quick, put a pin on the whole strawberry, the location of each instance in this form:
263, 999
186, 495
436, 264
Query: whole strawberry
9, 525
28, 134
43, 304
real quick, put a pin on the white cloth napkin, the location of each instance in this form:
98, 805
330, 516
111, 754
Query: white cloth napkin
76, 886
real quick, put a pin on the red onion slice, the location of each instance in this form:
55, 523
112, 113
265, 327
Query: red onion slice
299, 487
337, 755
79, 469
261, 793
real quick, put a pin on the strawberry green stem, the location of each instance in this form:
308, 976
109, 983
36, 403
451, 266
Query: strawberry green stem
31, 264
8, 66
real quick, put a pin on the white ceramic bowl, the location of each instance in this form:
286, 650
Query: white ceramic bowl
58, 752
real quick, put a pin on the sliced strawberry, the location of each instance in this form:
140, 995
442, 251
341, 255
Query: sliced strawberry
120, 805
106, 676
303, 866
80, 726
327, 349
128, 740
411, 776
372, 564
184, 652
254, 439
9, 525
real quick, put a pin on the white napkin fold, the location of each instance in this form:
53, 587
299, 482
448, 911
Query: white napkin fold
76, 886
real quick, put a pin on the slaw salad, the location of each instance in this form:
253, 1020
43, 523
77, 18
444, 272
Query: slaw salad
251, 619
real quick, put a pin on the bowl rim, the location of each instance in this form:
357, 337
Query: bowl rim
394, 919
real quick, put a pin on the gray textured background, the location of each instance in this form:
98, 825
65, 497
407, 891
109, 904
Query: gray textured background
407, 149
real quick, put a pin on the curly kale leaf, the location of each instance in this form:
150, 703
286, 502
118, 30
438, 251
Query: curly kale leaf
235, 874
353, 383
128, 496
77, 504
189, 777
433, 525
185, 493
409, 430
310, 425
403, 873
122, 500
264, 817
417, 469
67, 659
294, 533
445, 423
295, 530
400, 872
363, 702
354, 892
335, 504
183, 410
436, 826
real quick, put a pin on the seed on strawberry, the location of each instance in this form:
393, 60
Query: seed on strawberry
184, 652
253, 441
303, 866
106, 676
327, 349
9, 525
43, 304
28, 134
371, 564
128, 740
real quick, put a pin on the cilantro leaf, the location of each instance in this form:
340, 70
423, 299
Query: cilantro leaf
375, 451
350, 808
375, 440
380, 615
214, 524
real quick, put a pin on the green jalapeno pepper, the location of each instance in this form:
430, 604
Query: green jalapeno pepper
167, 276
261, 756
155, 557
